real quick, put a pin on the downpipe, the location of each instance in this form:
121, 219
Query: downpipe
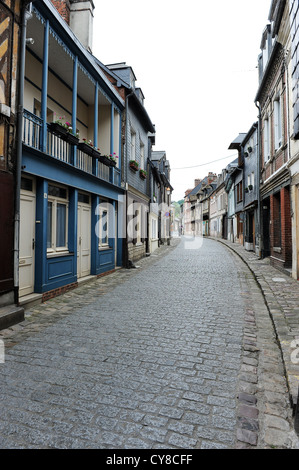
25, 16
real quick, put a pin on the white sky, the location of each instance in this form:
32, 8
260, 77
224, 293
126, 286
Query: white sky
195, 62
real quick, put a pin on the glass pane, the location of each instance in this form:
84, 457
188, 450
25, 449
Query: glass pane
104, 227
49, 226
56, 191
61, 226
26, 184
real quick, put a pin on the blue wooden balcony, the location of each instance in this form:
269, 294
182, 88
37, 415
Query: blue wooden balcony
65, 147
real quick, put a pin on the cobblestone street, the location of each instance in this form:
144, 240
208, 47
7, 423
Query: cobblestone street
179, 353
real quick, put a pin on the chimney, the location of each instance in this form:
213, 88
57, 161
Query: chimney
81, 21
212, 177
63, 8
196, 182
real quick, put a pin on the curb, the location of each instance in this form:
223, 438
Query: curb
281, 330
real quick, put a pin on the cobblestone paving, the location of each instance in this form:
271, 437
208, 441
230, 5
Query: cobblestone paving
164, 356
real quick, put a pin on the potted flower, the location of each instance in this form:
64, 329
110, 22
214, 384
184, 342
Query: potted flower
142, 174
245, 154
246, 190
249, 149
113, 158
134, 165
109, 160
89, 148
250, 187
64, 130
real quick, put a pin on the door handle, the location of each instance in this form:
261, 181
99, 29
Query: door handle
33, 243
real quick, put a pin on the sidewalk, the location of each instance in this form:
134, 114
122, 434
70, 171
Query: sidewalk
281, 295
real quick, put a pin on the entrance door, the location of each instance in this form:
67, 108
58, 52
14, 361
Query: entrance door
84, 240
27, 243
266, 228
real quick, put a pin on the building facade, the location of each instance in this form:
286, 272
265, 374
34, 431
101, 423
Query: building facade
293, 74
71, 195
251, 189
13, 19
272, 100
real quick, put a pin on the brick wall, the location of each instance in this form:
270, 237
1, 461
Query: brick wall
281, 229
286, 226
60, 290
63, 7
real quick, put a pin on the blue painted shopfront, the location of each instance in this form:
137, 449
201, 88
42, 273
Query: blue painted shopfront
52, 272
51, 159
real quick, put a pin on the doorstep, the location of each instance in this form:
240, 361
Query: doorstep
83, 280
11, 315
30, 299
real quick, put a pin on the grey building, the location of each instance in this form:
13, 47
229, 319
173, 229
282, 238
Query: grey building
251, 189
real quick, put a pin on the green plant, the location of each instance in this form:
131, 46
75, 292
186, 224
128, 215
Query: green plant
66, 124
134, 164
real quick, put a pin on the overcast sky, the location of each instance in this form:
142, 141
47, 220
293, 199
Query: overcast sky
196, 63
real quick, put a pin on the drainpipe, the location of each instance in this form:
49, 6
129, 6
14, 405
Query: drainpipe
259, 176
126, 248
24, 17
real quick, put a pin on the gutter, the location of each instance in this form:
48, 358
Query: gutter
25, 15
259, 127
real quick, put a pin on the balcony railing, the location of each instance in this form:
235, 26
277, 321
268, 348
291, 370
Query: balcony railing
32, 130
62, 147
84, 162
58, 147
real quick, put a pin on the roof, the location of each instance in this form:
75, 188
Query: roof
237, 142
198, 187
253, 128
157, 155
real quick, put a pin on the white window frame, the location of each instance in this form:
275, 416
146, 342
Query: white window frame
133, 145
277, 123
103, 212
154, 229
266, 140
142, 148
55, 200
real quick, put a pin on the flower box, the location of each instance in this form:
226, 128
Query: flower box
134, 165
142, 174
88, 149
63, 133
106, 160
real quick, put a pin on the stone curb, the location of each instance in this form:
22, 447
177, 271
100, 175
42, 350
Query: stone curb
284, 336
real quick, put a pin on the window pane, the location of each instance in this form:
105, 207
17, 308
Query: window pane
49, 226
61, 225
56, 191
104, 234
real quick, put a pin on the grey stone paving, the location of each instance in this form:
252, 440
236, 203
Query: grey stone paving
147, 358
